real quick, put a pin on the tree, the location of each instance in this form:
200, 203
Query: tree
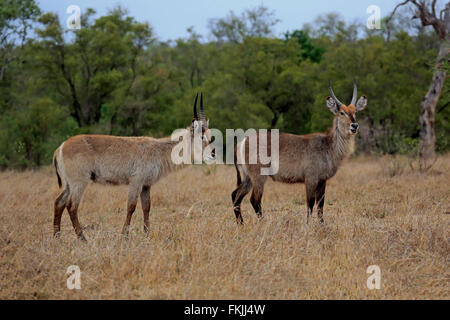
307, 48
263, 72
16, 18
189, 56
99, 67
113, 77
257, 22
428, 15
29, 136
332, 25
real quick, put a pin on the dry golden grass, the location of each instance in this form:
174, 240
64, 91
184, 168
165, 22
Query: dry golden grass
196, 250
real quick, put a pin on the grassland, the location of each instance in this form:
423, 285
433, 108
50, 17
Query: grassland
398, 220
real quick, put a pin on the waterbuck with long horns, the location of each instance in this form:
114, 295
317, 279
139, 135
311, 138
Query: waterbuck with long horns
311, 159
135, 161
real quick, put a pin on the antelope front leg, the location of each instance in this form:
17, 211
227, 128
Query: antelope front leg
133, 194
146, 203
320, 199
310, 198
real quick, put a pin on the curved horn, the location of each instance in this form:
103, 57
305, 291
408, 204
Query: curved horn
332, 94
355, 93
202, 112
195, 107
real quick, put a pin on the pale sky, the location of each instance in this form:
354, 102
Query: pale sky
171, 18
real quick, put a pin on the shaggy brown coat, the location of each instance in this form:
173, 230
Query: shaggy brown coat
135, 161
311, 159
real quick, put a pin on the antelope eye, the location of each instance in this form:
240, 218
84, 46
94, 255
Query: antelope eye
342, 113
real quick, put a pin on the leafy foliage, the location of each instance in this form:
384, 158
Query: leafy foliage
114, 77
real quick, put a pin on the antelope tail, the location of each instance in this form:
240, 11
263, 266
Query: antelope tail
239, 179
55, 163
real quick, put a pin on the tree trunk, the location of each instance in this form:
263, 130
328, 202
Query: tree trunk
275, 118
429, 102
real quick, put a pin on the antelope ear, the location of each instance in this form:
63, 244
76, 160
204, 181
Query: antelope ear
361, 104
332, 105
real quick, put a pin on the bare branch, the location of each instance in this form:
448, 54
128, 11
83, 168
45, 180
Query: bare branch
388, 29
433, 9
429, 18
395, 9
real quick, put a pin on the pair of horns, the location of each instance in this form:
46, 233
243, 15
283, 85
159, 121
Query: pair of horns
355, 93
202, 113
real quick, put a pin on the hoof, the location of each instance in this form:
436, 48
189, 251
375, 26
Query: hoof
82, 238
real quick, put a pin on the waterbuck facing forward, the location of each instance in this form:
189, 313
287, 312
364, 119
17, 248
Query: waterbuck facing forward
311, 159
136, 161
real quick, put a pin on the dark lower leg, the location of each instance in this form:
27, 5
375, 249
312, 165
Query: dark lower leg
146, 203
57, 222
73, 213
238, 214
133, 194
237, 197
320, 199
60, 205
311, 187
130, 210
310, 207
255, 200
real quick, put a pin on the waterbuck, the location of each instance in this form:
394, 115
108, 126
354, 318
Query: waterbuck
135, 161
311, 159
